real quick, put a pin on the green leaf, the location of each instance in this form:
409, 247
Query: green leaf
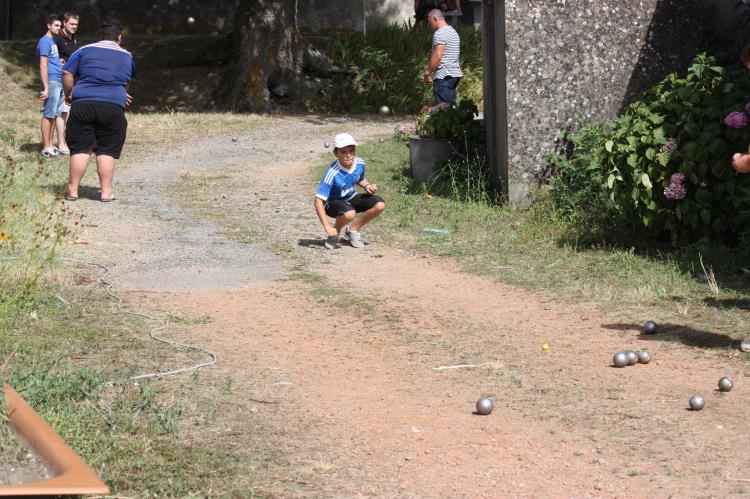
633, 160
650, 153
705, 215
663, 158
609, 145
656, 119
610, 180
646, 181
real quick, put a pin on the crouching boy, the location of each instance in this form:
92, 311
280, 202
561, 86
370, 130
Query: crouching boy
338, 198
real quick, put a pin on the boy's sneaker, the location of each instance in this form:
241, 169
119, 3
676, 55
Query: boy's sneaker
331, 242
355, 238
49, 153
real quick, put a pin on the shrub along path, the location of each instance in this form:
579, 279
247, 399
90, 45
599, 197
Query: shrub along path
326, 384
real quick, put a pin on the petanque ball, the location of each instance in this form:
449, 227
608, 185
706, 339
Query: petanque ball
234, 139
644, 357
384, 110
632, 357
697, 402
382, 141
191, 20
725, 384
649, 327
620, 359
485, 406
327, 145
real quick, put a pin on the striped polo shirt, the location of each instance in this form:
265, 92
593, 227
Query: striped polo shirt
102, 71
339, 183
449, 65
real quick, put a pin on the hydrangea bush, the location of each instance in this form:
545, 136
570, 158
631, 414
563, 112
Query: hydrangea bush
666, 161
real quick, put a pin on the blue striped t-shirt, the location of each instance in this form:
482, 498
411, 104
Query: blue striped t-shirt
102, 71
338, 183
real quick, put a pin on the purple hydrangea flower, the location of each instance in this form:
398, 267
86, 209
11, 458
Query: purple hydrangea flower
736, 119
670, 146
676, 189
443, 106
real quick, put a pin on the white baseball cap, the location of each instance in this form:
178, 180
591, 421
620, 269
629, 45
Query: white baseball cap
343, 140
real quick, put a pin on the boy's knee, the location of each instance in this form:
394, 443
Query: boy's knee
349, 215
379, 207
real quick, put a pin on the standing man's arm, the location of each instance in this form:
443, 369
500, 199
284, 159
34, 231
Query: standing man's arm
67, 81
44, 72
437, 55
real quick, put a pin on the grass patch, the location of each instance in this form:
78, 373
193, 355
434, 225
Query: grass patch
62, 345
532, 249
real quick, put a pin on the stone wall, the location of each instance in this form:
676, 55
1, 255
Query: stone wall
170, 16
589, 56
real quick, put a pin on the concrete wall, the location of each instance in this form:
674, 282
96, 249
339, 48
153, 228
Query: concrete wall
170, 16
585, 55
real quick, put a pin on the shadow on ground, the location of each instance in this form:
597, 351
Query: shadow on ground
310, 243
728, 303
679, 333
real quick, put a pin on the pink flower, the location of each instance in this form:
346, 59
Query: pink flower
676, 190
736, 119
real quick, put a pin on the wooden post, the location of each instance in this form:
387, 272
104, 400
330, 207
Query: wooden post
495, 103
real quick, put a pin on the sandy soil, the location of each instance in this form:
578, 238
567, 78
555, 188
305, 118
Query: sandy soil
335, 389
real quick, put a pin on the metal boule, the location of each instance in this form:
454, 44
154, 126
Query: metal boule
620, 359
725, 384
649, 327
191, 20
697, 402
485, 406
644, 357
384, 110
234, 139
327, 145
632, 357
382, 141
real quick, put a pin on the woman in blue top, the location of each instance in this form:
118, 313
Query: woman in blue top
102, 72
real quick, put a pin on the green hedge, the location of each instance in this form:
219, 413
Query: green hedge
666, 161
388, 64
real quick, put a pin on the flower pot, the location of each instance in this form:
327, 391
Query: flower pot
426, 155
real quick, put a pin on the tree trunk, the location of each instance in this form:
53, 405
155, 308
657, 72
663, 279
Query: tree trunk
266, 57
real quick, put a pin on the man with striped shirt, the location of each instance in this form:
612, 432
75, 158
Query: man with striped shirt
444, 70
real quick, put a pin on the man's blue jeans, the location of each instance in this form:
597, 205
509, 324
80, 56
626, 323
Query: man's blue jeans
444, 89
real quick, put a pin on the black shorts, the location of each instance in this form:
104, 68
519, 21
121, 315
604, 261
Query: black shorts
96, 126
358, 203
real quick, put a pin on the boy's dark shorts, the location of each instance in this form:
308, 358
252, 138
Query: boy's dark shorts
96, 126
358, 203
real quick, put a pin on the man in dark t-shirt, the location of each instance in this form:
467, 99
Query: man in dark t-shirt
67, 43
66, 40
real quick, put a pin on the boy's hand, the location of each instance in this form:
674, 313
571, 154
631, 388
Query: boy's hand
331, 231
371, 188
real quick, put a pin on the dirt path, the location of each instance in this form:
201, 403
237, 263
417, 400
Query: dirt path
335, 395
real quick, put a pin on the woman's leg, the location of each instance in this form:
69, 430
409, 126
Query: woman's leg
105, 167
78, 163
